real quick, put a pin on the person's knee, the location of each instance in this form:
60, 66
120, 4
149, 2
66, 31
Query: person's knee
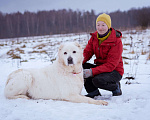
88, 65
98, 82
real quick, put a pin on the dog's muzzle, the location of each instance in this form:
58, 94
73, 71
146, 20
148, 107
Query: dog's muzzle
70, 60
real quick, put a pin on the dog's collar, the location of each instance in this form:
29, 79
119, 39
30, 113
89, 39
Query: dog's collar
77, 72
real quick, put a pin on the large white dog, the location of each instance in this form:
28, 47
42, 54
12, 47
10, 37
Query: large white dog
63, 80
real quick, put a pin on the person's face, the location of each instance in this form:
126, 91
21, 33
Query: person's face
101, 27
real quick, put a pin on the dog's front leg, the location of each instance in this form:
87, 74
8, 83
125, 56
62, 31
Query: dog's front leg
84, 99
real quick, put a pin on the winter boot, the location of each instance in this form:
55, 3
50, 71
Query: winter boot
118, 91
93, 94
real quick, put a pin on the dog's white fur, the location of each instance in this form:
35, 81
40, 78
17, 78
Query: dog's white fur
60, 81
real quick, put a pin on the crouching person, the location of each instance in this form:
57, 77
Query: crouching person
107, 69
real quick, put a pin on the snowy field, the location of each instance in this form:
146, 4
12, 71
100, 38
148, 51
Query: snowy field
27, 52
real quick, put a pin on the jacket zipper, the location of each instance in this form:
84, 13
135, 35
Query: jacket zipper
99, 51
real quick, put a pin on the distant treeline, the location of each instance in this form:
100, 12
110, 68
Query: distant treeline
66, 21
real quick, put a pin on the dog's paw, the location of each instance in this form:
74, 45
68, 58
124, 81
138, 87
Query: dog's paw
23, 97
101, 102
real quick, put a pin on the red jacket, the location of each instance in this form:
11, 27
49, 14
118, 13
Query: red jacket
108, 53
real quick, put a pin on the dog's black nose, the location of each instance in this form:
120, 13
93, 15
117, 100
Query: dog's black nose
70, 60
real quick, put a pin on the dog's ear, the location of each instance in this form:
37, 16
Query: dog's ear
61, 46
77, 44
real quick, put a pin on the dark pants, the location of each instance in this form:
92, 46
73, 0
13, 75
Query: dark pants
106, 81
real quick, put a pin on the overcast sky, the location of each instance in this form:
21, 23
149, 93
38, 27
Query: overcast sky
10, 6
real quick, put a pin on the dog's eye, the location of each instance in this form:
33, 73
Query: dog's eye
74, 51
65, 53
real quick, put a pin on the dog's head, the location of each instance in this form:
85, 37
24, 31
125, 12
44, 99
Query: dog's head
70, 53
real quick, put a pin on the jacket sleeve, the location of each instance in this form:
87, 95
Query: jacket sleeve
88, 51
112, 60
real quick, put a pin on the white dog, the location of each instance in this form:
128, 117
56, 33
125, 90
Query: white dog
63, 80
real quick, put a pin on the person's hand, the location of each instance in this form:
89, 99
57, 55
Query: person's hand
87, 73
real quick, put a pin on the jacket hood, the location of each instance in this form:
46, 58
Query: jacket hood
118, 34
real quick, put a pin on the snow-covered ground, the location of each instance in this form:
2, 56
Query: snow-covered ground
40, 51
